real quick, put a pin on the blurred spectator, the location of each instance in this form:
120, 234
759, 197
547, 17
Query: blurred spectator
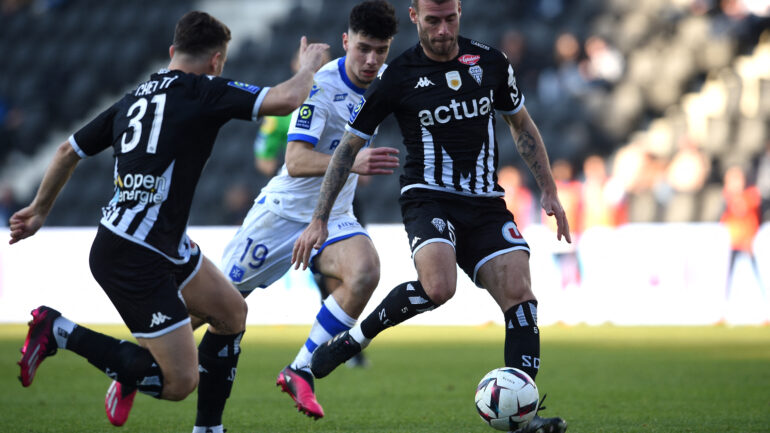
686, 175
11, 119
564, 79
604, 64
8, 204
525, 64
763, 183
600, 207
740, 216
518, 198
237, 202
569, 191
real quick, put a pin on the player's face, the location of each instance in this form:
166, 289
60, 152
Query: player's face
437, 27
365, 56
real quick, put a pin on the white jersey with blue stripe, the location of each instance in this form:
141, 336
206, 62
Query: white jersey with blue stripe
321, 122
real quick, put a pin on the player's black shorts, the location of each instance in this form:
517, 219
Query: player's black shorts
479, 228
144, 286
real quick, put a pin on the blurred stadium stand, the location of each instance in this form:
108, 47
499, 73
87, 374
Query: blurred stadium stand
683, 84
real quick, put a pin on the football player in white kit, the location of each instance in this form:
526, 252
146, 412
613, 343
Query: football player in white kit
260, 253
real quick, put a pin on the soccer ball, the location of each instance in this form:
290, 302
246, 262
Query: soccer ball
507, 398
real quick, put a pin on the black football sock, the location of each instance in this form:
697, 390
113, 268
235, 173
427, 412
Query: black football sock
522, 338
126, 362
403, 302
218, 359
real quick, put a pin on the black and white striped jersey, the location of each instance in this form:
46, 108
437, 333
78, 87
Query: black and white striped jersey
446, 113
162, 134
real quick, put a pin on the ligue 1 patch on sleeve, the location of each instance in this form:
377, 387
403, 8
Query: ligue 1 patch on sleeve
356, 110
305, 116
245, 87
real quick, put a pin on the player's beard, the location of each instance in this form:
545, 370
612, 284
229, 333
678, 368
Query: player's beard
443, 47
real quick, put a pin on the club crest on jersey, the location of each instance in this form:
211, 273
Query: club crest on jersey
439, 224
469, 59
453, 80
313, 90
357, 109
244, 86
476, 72
305, 116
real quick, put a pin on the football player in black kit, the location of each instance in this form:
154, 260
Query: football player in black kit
444, 93
161, 135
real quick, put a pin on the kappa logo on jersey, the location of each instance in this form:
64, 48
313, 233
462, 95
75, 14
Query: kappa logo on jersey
340, 97
423, 82
469, 59
476, 72
357, 110
453, 80
143, 188
305, 116
457, 111
158, 318
439, 224
244, 86
315, 89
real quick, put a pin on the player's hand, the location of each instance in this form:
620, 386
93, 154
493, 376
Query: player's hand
552, 207
311, 55
24, 224
314, 236
378, 160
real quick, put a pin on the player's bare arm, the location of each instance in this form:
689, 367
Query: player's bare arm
531, 147
285, 97
303, 161
26, 222
334, 179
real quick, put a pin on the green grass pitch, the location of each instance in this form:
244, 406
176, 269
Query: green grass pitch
422, 379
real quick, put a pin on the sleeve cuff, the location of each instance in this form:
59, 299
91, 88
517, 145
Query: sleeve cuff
77, 148
258, 103
358, 133
302, 137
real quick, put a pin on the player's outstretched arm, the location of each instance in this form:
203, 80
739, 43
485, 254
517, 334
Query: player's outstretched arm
531, 147
303, 161
336, 174
287, 96
26, 222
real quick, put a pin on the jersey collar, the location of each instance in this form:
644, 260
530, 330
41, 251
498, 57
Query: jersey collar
346, 79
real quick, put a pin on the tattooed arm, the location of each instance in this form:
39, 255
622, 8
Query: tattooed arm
530, 145
336, 175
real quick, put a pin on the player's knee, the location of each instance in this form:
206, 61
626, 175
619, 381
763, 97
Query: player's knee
365, 281
234, 319
439, 292
179, 385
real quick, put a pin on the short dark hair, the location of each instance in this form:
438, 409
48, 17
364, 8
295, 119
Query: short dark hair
416, 3
199, 33
374, 18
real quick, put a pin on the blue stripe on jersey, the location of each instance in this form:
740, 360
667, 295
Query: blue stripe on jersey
331, 324
346, 79
302, 137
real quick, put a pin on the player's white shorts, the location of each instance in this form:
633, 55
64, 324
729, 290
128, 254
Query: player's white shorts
260, 252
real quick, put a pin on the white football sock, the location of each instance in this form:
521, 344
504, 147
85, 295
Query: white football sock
357, 335
62, 329
210, 429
